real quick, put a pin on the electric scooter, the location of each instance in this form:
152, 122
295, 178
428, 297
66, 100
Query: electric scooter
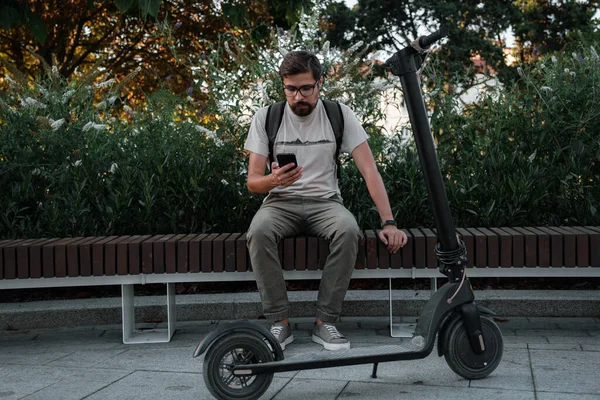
242, 357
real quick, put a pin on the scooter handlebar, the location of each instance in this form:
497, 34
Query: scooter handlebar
426, 41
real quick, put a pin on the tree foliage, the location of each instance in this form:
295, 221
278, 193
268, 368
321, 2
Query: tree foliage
163, 37
476, 28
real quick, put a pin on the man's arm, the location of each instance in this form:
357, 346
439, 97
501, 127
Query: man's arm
259, 183
390, 234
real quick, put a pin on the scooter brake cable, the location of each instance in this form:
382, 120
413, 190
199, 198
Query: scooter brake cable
462, 281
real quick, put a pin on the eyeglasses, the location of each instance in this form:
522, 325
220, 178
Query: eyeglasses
308, 90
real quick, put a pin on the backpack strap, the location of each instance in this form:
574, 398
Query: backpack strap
334, 114
336, 119
273, 121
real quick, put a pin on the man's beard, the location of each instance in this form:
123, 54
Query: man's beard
304, 109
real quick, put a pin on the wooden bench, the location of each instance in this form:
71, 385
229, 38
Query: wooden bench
170, 259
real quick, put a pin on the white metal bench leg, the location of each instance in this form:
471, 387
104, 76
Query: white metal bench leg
433, 285
131, 335
399, 330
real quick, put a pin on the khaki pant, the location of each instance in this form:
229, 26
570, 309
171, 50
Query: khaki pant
281, 217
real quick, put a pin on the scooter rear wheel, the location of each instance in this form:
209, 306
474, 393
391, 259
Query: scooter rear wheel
462, 359
240, 348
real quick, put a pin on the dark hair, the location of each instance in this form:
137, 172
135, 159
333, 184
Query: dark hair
298, 62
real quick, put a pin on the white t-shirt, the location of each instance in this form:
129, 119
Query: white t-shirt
312, 140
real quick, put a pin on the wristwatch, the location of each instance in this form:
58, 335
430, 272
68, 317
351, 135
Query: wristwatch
388, 222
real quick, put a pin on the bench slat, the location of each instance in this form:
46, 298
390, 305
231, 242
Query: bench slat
312, 257
383, 255
518, 245
135, 254
60, 256
110, 255
556, 246
10, 258
23, 259
183, 253
419, 248
230, 249
219, 252
123, 255
505, 249
300, 264
158, 254
288, 254
469, 240
569, 247
407, 253
195, 252
493, 247
171, 253
98, 258
480, 247
530, 246
241, 254
430, 242
371, 244
582, 245
207, 255
73, 261
361, 255
543, 246
594, 245
2, 243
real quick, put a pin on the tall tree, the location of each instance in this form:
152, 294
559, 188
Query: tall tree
544, 26
158, 35
477, 28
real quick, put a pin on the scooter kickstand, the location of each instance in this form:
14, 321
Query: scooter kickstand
374, 374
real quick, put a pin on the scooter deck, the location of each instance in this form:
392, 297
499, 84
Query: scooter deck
411, 349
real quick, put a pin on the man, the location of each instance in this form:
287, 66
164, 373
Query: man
306, 199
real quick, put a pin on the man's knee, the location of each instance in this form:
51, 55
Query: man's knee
347, 229
261, 231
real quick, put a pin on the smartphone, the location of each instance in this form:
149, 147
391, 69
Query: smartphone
287, 158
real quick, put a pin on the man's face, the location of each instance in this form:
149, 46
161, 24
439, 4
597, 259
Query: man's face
302, 92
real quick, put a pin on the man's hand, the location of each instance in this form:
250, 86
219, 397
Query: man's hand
285, 175
393, 238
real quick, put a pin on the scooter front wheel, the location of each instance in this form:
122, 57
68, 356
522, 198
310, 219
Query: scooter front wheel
240, 348
463, 360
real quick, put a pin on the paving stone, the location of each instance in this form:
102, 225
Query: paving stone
578, 323
432, 370
590, 347
302, 389
513, 373
577, 340
565, 396
31, 358
152, 359
524, 339
78, 385
152, 385
361, 390
549, 371
85, 359
552, 332
559, 346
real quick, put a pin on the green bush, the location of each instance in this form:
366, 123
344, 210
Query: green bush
72, 166
528, 154
76, 158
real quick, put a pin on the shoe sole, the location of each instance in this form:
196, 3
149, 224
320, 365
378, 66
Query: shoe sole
331, 346
287, 341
